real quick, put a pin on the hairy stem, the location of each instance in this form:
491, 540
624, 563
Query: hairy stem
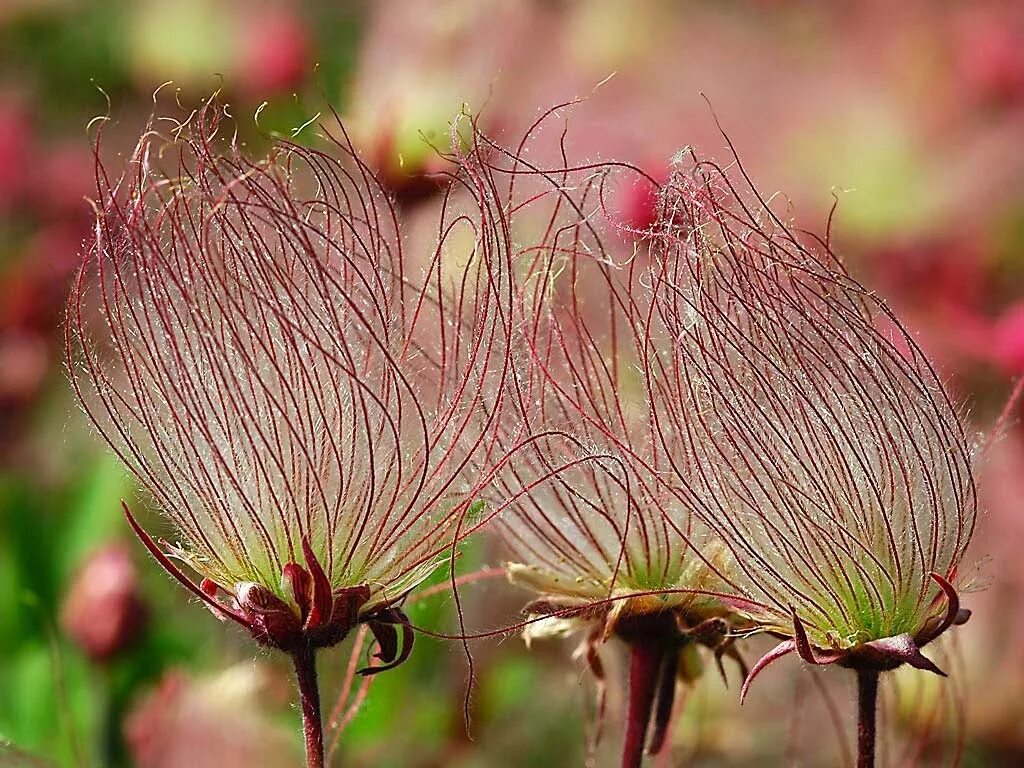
644, 665
867, 705
309, 701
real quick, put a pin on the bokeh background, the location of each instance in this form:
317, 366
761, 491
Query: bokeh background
910, 114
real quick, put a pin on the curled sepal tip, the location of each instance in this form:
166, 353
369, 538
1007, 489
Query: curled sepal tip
784, 648
954, 615
386, 625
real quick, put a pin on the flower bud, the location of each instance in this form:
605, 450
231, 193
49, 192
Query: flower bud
103, 612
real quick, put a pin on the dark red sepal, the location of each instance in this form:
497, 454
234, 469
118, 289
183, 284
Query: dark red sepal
322, 603
297, 582
806, 651
664, 700
953, 615
387, 641
889, 653
880, 655
270, 619
320, 617
385, 625
347, 602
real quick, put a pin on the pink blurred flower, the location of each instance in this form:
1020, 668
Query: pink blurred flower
221, 721
63, 177
421, 64
275, 50
1008, 339
15, 150
930, 271
989, 52
24, 361
103, 612
34, 286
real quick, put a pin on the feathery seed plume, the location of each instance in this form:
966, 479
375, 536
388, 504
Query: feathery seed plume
300, 397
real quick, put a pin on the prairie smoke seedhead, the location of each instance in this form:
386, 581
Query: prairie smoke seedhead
600, 538
298, 397
835, 467
595, 508
301, 402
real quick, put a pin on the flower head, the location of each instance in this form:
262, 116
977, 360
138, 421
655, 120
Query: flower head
587, 513
607, 544
835, 467
298, 396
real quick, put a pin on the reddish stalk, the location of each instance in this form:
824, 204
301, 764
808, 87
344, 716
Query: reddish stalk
340, 716
644, 664
309, 700
867, 705
666, 699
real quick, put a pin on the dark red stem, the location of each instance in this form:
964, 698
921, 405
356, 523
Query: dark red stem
644, 665
867, 706
665, 700
309, 700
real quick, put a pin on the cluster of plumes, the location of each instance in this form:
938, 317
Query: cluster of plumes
299, 397
605, 540
724, 424
686, 432
830, 459
597, 531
